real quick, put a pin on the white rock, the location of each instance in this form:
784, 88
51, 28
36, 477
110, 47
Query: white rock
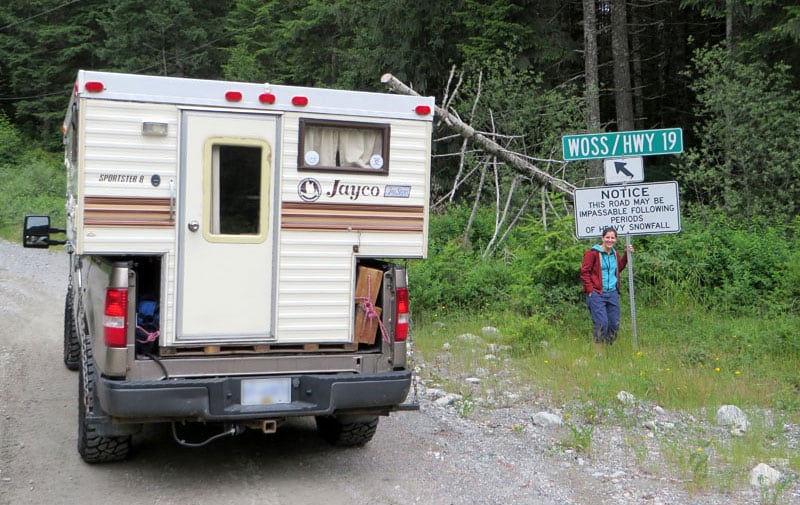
490, 357
546, 419
446, 346
733, 417
490, 331
764, 475
469, 337
626, 398
473, 380
659, 410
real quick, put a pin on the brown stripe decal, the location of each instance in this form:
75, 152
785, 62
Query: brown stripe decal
123, 211
332, 216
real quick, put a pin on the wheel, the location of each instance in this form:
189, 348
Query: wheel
72, 348
92, 447
347, 431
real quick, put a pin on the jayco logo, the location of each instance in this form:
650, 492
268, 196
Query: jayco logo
352, 191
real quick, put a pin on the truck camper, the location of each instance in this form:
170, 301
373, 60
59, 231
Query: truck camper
236, 255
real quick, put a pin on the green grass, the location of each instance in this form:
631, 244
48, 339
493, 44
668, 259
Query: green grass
687, 359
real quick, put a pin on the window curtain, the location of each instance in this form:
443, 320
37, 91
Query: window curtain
325, 142
357, 146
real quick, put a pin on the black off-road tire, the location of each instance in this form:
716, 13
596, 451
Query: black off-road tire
72, 348
92, 447
347, 431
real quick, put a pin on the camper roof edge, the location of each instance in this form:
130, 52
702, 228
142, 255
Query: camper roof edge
243, 95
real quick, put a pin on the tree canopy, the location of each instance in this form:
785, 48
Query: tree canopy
724, 71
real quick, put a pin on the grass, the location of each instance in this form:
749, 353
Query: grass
687, 359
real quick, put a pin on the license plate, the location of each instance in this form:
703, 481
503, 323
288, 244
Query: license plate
266, 391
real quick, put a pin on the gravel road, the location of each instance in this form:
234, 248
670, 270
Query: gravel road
432, 457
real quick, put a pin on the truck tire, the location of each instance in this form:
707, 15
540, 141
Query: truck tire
92, 447
72, 348
347, 431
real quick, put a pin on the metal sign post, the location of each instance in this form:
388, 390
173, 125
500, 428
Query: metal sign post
631, 292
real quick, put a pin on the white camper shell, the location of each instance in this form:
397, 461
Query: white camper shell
231, 251
148, 160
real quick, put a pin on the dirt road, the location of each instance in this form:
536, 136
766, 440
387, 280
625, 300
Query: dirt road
407, 462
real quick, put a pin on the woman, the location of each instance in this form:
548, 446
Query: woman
600, 276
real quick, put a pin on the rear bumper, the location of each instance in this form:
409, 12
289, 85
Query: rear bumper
219, 399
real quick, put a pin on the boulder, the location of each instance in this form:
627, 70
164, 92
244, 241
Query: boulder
764, 475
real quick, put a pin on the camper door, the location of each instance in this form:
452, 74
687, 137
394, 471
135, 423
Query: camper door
226, 231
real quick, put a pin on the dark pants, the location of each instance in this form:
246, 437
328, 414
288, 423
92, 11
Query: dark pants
604, 308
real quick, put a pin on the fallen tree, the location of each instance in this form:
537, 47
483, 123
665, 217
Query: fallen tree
512, 159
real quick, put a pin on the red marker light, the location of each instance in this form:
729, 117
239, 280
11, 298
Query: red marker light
423, 110
94, 86
300, 101
233, 96
268, 98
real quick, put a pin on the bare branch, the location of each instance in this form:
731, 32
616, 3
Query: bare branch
520, 164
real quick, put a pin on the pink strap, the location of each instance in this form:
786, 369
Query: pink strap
150, 336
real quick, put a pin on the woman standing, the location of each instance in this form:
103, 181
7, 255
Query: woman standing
600, 276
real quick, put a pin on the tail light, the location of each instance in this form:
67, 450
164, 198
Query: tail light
401, 327
115, 317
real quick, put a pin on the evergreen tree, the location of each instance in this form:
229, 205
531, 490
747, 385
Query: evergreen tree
163, 37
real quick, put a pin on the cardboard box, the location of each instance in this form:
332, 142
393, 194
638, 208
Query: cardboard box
366, 329
368, 286
368, 283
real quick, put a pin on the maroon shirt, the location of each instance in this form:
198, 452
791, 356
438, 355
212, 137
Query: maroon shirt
591, 270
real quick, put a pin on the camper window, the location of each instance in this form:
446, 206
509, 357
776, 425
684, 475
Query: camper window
236, 190
343, 146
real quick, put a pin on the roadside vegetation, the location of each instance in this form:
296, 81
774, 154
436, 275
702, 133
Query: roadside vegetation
33, 182
717, 312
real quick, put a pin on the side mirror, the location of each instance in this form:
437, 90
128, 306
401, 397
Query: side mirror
36, 232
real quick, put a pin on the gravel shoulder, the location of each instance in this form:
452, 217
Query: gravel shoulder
437, 456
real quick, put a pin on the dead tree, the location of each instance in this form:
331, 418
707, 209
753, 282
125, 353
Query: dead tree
512, 159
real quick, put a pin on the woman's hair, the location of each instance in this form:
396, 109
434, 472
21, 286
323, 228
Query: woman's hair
606, 230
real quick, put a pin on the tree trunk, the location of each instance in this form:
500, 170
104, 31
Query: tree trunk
592, 77
622, 65
638, 78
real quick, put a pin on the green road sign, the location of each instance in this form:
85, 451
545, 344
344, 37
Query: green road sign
622, 144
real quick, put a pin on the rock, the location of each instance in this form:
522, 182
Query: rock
469, 337
447, 400
473, 380
490, 357
438, 325
446, 346
546, 419
659, 410
732, 416
626, 398
490, 331
434, 393
764, 475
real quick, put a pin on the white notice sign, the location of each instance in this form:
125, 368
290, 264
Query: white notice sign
635, 209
